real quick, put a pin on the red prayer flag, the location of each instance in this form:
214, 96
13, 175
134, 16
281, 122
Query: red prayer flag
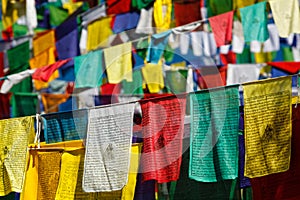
290, 67
5, 106
283, 185
183, 17
221, 26
210, 77
110, 89
44, 73
118, 6
163, 127
228, 58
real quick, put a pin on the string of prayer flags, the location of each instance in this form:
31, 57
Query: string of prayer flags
65, 126
88, 69
16, 134
221, 26
108, 146
214, 134
286, 16
153, 77
241, 73
267, 116
157, 46
44, 73
254, 21
283, 185
118, 62
163, 127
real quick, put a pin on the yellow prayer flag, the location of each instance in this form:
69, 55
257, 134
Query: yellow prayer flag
267, 116
52, 101
11, 11
286, 16
178, 65
263, 57
45, 58
43, 41
72, 6
129, 189
118, 63
31, 177
237, 4
15, 135
153, 77
162, 10
30, 190
68, 175
98, 33
48, 174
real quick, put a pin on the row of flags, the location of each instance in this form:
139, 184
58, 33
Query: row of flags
107, 133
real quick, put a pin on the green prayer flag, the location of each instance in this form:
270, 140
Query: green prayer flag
88, 69
245, 57
287, 53
216, 7
139, 4
136, 86
254, 20
57, 15
19, 30
214, 134
24, 104
187, 188
168, 53
142, 48
18, 56
18, 60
